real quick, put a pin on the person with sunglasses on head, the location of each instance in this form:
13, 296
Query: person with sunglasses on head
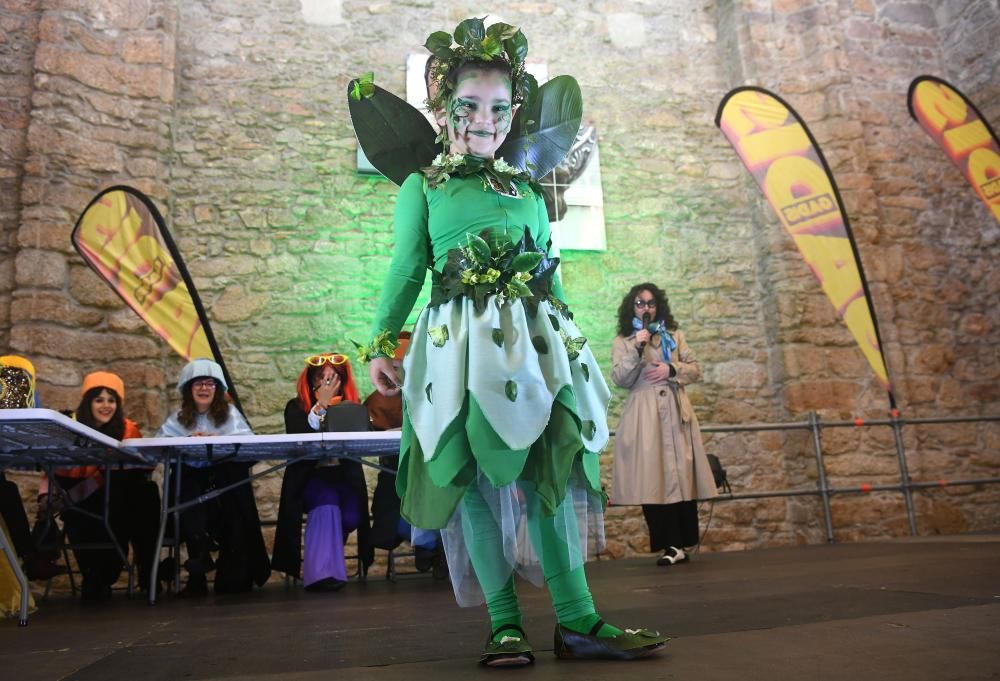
229, 521
334, 495
659, 460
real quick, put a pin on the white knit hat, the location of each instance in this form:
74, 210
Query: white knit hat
201, 368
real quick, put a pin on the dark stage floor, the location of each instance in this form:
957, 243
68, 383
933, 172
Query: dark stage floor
907, 609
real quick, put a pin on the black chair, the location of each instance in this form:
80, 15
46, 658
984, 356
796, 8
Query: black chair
351, 417
347, 417
50, 537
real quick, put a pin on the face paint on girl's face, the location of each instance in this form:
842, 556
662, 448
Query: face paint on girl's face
479, 113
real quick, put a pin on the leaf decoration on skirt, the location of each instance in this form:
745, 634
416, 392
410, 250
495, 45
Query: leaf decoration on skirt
573, 345
439, 335
510, 389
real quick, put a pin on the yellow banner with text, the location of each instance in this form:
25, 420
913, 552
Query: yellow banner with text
121, 238
966, 137
781, 154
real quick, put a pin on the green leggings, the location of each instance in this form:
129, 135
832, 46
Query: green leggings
568, 587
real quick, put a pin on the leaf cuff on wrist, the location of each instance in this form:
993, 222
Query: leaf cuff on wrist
381, 346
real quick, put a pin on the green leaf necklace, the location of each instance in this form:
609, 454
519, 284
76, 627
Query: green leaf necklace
498, 175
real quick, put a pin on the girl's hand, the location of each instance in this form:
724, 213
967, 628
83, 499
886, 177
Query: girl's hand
384, 377
641, 336
326, 390
658, 372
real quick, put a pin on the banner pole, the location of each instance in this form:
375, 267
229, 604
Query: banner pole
904, 472
814, 426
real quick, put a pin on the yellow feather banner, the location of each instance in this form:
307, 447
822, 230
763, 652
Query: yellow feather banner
955, 123
123, 237
783, 157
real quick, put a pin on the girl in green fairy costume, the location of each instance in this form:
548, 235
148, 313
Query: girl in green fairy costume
504, 404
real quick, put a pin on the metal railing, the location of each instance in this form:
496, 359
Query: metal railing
815, 425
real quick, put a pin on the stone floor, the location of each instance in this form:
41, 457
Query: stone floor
906, 609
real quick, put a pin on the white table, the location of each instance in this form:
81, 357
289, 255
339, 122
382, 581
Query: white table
284, 450
43, 439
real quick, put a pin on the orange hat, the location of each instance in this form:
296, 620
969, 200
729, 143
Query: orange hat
19, 362
103, 379
404, 343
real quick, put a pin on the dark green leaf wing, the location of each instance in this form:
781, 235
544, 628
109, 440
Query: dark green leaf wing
395, 136
545, 127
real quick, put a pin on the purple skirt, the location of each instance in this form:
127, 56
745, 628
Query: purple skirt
333, 514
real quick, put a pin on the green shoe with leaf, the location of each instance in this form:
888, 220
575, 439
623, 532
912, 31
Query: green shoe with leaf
631, 644
507, 646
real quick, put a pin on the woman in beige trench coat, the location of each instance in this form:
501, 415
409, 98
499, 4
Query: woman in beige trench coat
660, 461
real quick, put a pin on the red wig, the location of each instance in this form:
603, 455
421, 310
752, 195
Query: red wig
348, 391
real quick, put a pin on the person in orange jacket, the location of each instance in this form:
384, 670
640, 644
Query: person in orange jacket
135, 499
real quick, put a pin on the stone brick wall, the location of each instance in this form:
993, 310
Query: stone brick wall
846, 67
18, 37
101, 113
232, 115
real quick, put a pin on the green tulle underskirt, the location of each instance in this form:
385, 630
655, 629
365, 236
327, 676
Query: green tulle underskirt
431, 490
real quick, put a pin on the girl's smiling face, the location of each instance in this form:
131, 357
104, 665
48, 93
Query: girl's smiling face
103, 407
479, 113
203, 392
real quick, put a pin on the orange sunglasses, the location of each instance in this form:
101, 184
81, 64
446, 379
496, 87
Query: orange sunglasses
334, 358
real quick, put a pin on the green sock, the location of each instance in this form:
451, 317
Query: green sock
574, 605
570, 593
504, 609
485, 545
497, 623
584, 624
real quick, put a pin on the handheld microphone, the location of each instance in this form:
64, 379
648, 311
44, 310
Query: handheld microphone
645, 325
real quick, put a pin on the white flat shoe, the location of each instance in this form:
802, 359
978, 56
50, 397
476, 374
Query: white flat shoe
672, 556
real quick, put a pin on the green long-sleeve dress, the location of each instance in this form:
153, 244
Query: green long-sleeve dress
498, 396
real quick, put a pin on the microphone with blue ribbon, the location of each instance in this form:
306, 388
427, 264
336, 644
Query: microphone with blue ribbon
669, 345
645, 325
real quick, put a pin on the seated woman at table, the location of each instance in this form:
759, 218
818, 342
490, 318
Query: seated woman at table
135, 499
229, 521
333, 493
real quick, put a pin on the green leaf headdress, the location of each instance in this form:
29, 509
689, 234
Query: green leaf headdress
398, 141
474, 42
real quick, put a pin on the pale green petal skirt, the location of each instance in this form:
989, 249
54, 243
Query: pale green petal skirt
494, 398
